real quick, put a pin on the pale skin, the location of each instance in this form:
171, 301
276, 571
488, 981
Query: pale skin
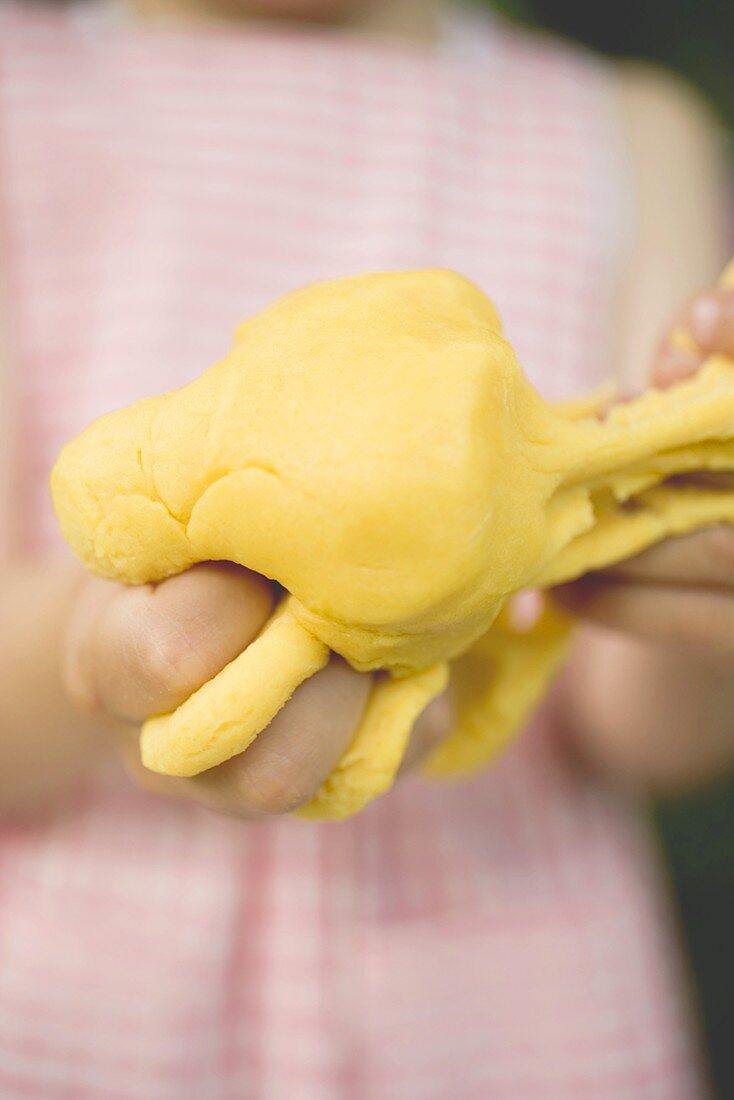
648, 696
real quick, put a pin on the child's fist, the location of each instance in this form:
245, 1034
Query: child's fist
131, 653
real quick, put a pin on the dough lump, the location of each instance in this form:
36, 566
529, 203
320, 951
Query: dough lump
372, 445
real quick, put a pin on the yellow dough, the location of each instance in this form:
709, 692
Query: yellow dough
373, 445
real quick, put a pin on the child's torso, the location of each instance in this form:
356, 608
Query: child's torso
499, 939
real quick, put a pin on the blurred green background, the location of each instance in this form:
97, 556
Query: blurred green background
696, 38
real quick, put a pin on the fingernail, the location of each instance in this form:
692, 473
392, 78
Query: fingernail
705, 315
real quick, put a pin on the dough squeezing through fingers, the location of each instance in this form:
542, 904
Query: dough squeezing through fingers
372, 445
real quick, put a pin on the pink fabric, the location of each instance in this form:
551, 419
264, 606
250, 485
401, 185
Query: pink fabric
505, 939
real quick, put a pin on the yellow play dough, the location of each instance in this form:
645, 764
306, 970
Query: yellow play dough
372, 444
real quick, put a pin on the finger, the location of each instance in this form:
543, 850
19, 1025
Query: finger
704, 559
683, 617
711, 321
432, 728
149, 648
287, 763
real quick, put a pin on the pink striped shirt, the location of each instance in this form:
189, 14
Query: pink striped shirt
503, 939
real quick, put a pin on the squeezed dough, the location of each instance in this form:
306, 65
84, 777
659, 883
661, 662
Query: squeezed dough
372, 444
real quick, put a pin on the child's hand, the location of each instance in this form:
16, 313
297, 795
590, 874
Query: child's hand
681, 591
133, 653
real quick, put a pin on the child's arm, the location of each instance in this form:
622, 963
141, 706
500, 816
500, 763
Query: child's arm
43, 742
651, 697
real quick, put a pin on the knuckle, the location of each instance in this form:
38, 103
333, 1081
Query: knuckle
159, 660
275, 787
162, 655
